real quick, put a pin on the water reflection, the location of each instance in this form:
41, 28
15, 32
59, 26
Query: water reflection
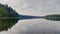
6, 17
7, 23
48, 7
9, 17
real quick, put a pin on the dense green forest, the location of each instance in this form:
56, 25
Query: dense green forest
6, 11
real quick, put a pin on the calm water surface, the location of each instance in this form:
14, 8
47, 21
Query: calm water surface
34, 26
38, 8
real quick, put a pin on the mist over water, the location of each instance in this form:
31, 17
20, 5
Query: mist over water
37, 8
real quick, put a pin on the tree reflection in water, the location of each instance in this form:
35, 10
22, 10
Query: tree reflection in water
8, 17
7, 23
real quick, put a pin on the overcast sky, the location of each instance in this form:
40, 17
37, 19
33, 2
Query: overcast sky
34, 7
37, 8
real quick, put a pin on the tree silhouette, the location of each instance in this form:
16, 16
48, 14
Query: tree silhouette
54, 17
7, 15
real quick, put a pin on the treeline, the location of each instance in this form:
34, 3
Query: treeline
6, 11
55, 17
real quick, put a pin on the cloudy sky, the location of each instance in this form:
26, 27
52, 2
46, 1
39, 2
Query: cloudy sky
37, 8
34, 7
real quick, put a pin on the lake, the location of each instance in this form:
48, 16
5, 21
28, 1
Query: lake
34, 8
34, 26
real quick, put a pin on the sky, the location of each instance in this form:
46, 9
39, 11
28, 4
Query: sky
36, 8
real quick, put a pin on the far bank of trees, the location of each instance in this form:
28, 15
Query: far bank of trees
53, 17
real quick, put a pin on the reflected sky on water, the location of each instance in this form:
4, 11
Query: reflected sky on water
37, 8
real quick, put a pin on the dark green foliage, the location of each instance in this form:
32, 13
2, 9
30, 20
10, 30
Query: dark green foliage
7, 15
55, 17
7, 11
7, 23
